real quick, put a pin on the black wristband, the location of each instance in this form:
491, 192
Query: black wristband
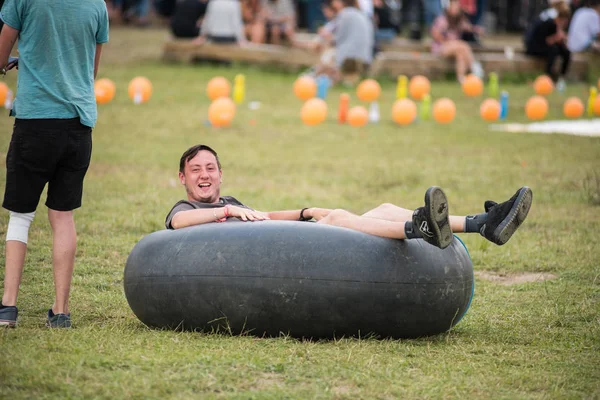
302, 217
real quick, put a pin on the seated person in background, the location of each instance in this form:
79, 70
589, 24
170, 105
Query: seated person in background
251, 16
585, 28
553, 7
222, 23
326, 31
187, 18
546, 38
135, 11
386, 28
353, 44
447, 32
324, 39
278, 20
200, 173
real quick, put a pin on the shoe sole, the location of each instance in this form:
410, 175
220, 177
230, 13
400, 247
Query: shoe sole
437, 204
61, 326
515, 217
8, 324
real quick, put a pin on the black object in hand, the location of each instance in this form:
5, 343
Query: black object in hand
12, 63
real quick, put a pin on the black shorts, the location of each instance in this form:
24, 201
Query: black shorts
53, 151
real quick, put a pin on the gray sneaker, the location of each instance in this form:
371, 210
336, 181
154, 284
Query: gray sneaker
58, 320
8, 316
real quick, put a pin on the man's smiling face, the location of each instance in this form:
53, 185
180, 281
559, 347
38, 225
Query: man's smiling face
202, 178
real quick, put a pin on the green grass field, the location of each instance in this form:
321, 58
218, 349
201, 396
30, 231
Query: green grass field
529, 340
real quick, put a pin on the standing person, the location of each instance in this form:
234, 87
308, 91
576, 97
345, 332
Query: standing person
546, 38
55, 110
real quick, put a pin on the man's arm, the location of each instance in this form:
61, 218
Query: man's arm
206, 215
294, 215
97, 58
198, 217
8, 37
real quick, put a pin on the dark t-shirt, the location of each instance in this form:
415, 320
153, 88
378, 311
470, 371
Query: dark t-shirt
185, 205
185, 18
384, 18
536, 38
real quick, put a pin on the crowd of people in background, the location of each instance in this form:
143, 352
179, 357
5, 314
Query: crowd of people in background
350, 31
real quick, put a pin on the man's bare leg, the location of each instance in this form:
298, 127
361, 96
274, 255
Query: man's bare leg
17, 234
391, 212
430, 222
15, 260
63, 256
373, 226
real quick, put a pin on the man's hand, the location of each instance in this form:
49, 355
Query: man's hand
317, 213
245, 214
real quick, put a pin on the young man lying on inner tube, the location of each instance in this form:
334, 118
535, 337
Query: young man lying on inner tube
200, 173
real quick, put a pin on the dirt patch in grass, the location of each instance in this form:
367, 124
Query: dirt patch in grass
267, 381
515, 278
343, 390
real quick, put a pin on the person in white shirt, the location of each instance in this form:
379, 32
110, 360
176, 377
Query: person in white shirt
585, 28
222, 23
366, 6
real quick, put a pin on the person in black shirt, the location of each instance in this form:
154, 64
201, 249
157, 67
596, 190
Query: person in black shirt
546, 38
187, 18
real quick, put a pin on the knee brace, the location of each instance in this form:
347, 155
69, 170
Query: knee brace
18, 226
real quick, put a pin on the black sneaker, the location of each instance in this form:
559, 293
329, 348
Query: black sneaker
8, 316
432, 219
504, 218
58, 320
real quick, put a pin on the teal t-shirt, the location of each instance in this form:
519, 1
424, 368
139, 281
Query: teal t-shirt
57, 45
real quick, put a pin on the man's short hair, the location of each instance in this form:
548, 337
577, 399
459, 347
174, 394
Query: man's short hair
191, 153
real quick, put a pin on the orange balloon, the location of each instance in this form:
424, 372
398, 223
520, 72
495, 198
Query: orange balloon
536, 108
358, 116
404, 111
305, 87
573, 108
490, 110
368, 90
596, 106
418, 87
221, 112
444, 110
3, 92
472, 85
140, 89
218, 87
104, 89
543, 85
314, 111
